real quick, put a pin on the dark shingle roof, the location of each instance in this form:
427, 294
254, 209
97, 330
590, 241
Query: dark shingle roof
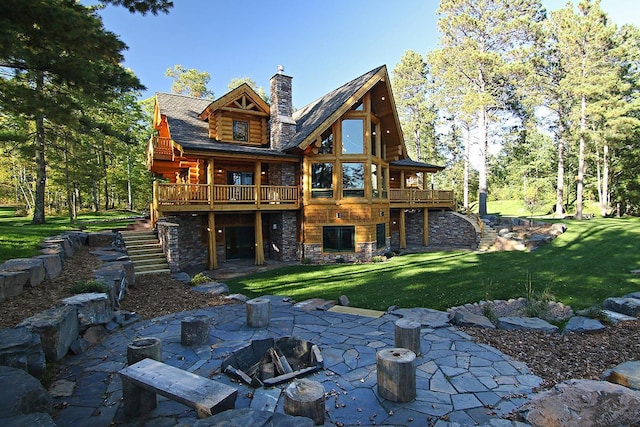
192, 133
408, 163
313, 115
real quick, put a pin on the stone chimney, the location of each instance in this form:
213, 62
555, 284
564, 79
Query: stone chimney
283, 127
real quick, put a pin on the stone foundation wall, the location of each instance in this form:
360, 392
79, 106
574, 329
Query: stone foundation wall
448, 229
445, 229
181, 240
283, 236
364, 252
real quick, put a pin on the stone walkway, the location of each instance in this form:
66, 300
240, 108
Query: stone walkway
459, 383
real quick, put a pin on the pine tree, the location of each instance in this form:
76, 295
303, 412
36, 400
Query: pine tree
190, 82
482, 43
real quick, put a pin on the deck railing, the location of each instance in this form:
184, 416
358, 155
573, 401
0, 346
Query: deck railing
200, 194
413, 196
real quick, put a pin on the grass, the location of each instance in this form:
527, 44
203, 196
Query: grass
582, 267
20, 239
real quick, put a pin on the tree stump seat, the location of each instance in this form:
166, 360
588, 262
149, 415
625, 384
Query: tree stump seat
142, 381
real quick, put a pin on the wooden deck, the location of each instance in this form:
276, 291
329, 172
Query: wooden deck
220, 198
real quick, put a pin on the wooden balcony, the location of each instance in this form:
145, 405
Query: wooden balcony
204, 197
159, 148
416, 198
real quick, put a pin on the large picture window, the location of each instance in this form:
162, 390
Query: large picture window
381, 235
321, 180
352, 136
353, 180
339, 238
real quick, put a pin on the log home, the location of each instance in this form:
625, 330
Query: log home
239, 178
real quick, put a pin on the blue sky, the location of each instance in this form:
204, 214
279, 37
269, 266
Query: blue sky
321, 43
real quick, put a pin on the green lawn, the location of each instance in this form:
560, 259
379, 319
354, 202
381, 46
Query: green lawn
587, 264
20, 239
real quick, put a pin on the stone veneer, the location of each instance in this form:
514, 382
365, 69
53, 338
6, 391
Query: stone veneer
364, 252
283, 127
180, 238
283, 229
445, 229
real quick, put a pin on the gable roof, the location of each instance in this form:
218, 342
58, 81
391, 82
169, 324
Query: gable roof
191, 133
243, 90
325, 110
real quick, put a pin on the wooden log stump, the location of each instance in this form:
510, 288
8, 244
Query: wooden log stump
194, 330
396, 373
258, 312
305, 398
407, 335
140, 401
143, 348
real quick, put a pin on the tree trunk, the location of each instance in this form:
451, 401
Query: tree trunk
560, 177
67, 181
129, 191
106, 179
484, 145
581, 161
467, 149
604, 187
41, 165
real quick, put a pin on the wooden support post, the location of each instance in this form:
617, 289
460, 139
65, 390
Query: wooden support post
257, 182
403, 230
407, 335
211, 174
305, 398
143, 348
396, 372
194, 330
425, 227
258, 312
259, 260
212, 259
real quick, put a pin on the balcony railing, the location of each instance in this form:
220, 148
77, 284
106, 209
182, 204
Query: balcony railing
160, 148
421, 198
224, 195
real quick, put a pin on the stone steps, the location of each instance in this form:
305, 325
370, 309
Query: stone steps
488, 238
144, 250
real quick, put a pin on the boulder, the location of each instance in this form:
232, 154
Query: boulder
34, 266
95, 334
577, 403
93, 308
181, 277
52, 264
57, 251
507, 244
22, 349
79, 346
343, 300
12, 283
466, 318
626, 374
102, 238
582, 324
21, 394
211, 288
558, 228
58, 328
615, 317
109, 255
59, 242
624, 305
112, 271
533, 323
537, 240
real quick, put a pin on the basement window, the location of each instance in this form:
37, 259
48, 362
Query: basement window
339, 238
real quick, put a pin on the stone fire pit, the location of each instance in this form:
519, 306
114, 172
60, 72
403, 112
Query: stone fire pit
273, 361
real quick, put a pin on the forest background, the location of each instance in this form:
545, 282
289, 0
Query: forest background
518, 103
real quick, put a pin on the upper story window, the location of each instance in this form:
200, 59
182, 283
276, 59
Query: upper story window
353, 180
241, 130
352, 136
326, 146
321, 180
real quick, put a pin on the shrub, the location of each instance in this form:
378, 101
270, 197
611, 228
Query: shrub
306, 260
340, 260
89, 287
537, 304
389, 254
378, 258
199, 279
489, 313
